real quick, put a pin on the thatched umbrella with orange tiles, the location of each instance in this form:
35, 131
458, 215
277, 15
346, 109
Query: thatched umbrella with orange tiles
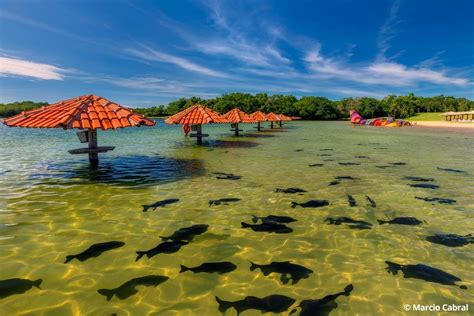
283, 117
236, 116
87, 112
259, 117
195, 116
272, 117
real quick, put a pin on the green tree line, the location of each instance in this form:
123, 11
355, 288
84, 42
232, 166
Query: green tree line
17, 107
307, 107
319, 108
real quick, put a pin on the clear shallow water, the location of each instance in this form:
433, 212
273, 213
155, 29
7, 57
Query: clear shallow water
53, 205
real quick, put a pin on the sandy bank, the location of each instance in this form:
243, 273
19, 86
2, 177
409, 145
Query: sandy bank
445, 124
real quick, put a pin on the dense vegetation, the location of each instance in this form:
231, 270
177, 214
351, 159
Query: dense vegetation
320, 108
16, 107
308, 107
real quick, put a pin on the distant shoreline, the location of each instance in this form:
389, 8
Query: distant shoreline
445, 125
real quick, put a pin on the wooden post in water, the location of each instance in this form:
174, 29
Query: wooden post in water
199, 134
93, 157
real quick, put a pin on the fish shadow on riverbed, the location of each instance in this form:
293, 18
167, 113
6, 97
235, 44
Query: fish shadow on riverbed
129, 171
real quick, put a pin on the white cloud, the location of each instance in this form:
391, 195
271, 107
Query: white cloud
233, 41
388, 31
148, 53
377, 73
398, 72
24, 68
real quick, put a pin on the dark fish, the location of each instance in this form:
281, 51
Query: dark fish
299, 150
352, 223
289, 271
451, 240
371, 202
129, 288
223, 201
361, 156
419, 179
384, 167
290, 190
451, 170
351, 200
211, 267
227, 176
345, 178
187, 233
435, 199
335, 182
326, 149
155, 205
349, 163
424, 186
328, 159
316, 165
267, 304
323, 306
423, 272
17, 286
95, 250
397, 163
324, 155
310, 203
164, 247
269, 227
401, 221
274, 219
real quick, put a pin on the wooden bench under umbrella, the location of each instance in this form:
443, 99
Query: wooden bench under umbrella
87, 113
236, 116
259, 117
272, 117
195, 116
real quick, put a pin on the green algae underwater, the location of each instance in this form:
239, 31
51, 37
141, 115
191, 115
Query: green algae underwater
53, 205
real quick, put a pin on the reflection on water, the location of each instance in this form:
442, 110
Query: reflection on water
230, 143
135, 170
257, 135
53, 205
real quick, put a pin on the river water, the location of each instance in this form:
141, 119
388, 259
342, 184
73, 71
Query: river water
53, 204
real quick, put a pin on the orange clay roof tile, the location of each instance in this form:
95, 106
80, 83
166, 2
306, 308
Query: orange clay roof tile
273, 117
196, 114
88, 111
283, 117
238, 116
259, 116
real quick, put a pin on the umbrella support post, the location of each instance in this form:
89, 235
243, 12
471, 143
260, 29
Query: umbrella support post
258, 127
199, 134
281, 123
271, 124
93, 157
236, 129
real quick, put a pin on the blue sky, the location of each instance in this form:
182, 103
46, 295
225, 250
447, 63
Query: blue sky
145, 53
